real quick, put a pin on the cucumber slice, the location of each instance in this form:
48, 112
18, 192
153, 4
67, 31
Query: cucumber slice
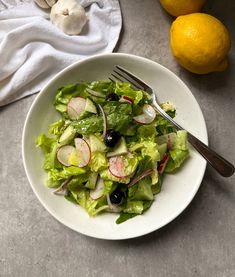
144, 191
68, 135
91, 183
98, 191
169, 139
162, 148
96, 144
119, 149
90, 106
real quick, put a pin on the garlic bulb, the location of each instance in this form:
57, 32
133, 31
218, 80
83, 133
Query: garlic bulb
69, 16
45, 4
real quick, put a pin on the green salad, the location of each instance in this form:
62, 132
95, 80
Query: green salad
110, 149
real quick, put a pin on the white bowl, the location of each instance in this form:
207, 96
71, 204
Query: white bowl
178, 189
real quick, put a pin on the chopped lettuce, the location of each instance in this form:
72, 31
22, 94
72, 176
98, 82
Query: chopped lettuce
57, 128
179, 151
57, 176
119, 116
92, 207
125, 89
98, 162
89, 125
145, 148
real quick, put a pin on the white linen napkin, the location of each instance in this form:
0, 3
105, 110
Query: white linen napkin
32, 49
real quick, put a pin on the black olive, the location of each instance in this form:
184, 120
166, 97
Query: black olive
116, 197
111, 138
112, 97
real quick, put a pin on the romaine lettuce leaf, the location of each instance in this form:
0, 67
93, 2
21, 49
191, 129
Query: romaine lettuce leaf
89, 125
119, 116
57, 176
102, 86
124, 216
146, 148
92, 207
134, 207
64, 94
56, 128
164, 126
98, 162
125, 89
49, 147
179, 152
147, 131
45, 143
109, 186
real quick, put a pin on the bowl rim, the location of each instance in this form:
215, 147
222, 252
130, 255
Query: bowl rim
74, 65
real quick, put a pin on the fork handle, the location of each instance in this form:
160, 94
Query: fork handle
222, 166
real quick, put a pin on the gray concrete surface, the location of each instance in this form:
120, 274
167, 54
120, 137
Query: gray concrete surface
200, 242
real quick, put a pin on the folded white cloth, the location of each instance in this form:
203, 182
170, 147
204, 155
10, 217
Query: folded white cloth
32, 49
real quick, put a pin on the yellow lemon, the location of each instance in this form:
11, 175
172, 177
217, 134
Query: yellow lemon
200, 43
181, 7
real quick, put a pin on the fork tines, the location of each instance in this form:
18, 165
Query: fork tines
122, 75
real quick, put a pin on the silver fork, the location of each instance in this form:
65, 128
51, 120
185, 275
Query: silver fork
221, 165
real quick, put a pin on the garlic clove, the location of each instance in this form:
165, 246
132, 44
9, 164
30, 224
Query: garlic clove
69, 16
50, 2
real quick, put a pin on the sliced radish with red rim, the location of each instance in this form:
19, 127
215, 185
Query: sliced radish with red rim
83, 152
75, 107
141, 176
147, 116
64, 153
126, 99
117, 167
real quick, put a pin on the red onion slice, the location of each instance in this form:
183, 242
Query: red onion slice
105, 126
163, 163
141, 176
61, 189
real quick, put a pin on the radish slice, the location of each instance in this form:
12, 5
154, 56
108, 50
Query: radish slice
61, 189
105, 127
137, 179
163, 163
147, 116
117, 167
126, 99
64, 153
75, 107
113, 208
83, 152
95, 93
98, 191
